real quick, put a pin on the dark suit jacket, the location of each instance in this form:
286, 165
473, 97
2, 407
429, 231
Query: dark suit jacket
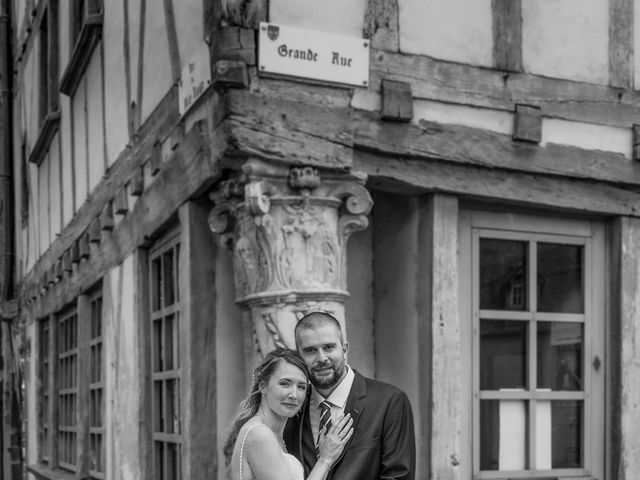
383, 442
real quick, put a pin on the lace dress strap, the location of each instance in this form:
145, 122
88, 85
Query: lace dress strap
242, 447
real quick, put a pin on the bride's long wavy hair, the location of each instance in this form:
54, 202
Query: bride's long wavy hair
261, 376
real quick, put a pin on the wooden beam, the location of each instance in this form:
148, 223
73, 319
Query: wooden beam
507, 35
465, 145
381, 24
288, 131
636, 142
188, 174
621, 43
527, 125
481, 87
399, 174
172, 39
199, 339
397, 101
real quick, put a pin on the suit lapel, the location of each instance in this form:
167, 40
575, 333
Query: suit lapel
354, 406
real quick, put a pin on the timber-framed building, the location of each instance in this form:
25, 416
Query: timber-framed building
470, 213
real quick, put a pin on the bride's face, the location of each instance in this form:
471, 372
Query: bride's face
286, 390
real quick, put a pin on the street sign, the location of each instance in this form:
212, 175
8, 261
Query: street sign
298, 52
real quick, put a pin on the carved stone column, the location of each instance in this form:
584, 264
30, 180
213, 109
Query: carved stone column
288, 230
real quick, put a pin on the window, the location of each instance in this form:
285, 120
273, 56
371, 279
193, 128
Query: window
68, 389
48, 109
85, 31
165, 361
96, 390
43, 376
537, 317
73, 439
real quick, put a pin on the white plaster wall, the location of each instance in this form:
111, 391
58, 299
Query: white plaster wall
157, 77
30, 118
587, 136
485, 118
336, 16
78, 106
566, 39
189, 25
230, 352
456, 30
34, 245
122, 376
95, 119
115, 92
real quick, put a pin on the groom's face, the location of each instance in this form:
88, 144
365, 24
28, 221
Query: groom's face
324, 353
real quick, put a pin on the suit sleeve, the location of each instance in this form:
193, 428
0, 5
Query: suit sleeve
398, 460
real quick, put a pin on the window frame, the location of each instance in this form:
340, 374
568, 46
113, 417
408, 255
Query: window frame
75, 459
479, 224
159, 312
85, 33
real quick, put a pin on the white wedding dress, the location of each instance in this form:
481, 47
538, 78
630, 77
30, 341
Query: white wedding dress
295, 467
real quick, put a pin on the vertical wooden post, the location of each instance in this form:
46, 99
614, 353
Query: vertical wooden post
53, 392
197, 276
83, 366
507, 35
141, 274
625, 293
440, 233
621, 43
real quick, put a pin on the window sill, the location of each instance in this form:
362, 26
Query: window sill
49, 128
44, 472
85, 45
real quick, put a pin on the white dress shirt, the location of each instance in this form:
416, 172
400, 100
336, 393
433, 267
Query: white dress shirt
337, 399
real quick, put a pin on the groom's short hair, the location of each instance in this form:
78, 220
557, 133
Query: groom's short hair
315, 319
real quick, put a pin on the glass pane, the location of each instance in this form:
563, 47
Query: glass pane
503, 435
503, 274
503, 354
560, 286
169, 297
566, 434
560, 355
169, 332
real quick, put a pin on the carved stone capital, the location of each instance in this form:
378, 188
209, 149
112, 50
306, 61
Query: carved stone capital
288, 232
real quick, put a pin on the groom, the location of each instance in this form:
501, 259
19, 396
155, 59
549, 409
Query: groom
383, 443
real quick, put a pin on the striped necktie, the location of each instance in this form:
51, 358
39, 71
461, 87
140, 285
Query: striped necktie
325, 420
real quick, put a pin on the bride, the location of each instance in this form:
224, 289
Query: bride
254, 448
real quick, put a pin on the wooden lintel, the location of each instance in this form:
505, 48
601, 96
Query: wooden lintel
399, 174
106, 217
66, 261
397, 101
456, 83
95, 231
84, 244
527, 123
236, 43
472, 146
121, 201
230, 74
155, 159
137, 182
636, 142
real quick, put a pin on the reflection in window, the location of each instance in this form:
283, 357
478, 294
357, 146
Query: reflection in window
503, 354
560, 355
503, 274
561, 268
